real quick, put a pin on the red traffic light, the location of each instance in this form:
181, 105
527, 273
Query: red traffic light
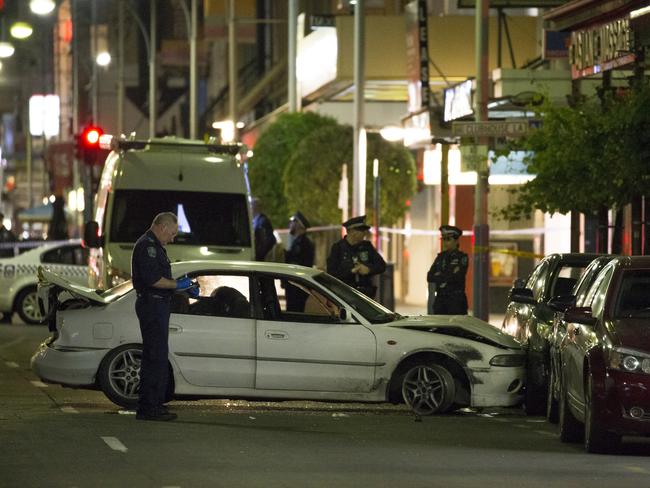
90, 137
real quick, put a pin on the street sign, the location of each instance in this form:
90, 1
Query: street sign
473, 157
492, 128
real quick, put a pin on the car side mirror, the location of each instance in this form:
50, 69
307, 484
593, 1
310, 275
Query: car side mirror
561, 303
91, 235
343, 314
522, 295
519, 283
580, 315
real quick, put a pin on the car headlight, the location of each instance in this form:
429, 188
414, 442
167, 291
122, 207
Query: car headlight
508, 360
629, 360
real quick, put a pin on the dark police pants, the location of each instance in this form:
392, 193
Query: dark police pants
454, 303
153, 314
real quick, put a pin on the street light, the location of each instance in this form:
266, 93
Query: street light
6, 49
103, 59
42, 7
21, 30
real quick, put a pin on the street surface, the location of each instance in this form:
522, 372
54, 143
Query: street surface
56, 437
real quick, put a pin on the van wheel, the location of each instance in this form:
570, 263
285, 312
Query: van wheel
27, 306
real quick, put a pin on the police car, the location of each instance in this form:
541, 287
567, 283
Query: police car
18, 275
240, 338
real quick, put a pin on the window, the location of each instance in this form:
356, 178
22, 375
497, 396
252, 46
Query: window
72, 255
295, 300
596, 295
567, 277
538, 280
205, 218
220, 296
633, 297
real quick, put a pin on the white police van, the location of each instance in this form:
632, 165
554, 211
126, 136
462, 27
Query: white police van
204, 184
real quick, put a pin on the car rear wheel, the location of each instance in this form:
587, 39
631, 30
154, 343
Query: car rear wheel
570, 428
597, 439
552, 414
535, 394
119, 375
428, 389
27, 306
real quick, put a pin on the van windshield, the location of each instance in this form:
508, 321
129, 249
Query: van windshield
204, 218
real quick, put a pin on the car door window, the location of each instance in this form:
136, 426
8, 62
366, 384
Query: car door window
566, 278
596, 295
221, 295
59, 255
633, 298
538, 280
318, 307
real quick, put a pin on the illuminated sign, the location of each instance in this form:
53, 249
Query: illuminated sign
601, 48
458, 101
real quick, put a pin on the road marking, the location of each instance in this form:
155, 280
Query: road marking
69, 410
39, 384
636, 469
544, 432
12, 343
115, 444
521, 426
11, 364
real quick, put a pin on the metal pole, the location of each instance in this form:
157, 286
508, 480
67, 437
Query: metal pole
120, 68
93, 45
376, 200
232, 64
358, 200
152, 70
293, 33
480, 276
444, 184
193, 36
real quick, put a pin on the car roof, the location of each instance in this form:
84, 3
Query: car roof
638, 262
574, 257
241, 266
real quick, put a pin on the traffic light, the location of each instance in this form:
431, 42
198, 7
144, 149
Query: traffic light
88, 144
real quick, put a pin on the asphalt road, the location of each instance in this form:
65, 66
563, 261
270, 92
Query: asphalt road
57, 437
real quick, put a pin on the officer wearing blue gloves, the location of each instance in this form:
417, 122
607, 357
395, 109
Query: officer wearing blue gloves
152, 279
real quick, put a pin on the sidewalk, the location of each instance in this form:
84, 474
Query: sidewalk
411, 309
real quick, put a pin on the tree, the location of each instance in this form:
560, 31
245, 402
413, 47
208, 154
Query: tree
272, 152
313, 175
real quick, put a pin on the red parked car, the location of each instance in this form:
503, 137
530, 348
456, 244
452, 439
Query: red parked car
605, 358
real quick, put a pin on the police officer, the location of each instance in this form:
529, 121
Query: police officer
447, 274
7, 240
153, 283
263, 231
354, 260
301, 251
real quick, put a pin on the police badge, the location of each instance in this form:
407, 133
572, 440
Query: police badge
151, 251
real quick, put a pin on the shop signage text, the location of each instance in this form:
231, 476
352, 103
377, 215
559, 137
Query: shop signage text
602, 48
493, 128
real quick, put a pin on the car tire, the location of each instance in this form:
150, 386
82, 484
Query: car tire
570, 429
26, 305
119, 375
534, 396
552, 414
597, 439
428, 388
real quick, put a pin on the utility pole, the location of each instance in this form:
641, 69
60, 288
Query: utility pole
480, 277
232, 66
193, 35
293, 20
120, 68
152, 70
359, 143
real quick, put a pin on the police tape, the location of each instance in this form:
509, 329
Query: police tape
511, 252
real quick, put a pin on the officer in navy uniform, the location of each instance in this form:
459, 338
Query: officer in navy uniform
301, 251
153, 283
262, 230
354, 260
447, 274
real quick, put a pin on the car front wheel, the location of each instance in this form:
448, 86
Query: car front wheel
597, 439
428, 389
27, 306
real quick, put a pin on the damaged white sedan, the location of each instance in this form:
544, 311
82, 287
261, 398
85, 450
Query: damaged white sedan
240, 339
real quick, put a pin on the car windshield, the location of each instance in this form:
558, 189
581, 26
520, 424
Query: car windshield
117, 291
371, 310
633, 299
204, 218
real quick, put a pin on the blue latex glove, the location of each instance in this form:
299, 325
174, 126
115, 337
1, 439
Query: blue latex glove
183, 283
193, 291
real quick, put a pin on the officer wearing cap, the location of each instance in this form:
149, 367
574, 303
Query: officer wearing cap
153, 283
447, 274
354, 260
301, 251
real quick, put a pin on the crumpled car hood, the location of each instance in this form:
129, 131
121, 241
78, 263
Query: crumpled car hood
464, 326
